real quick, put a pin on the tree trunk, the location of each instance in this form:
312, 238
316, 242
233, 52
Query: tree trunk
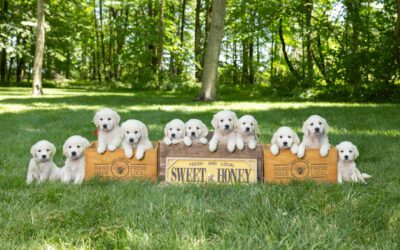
310, 73
207, 20
211, 60
97, 46
160, 49
285, 55
103, 49
3, 56
396, 36
197, 37
38, 63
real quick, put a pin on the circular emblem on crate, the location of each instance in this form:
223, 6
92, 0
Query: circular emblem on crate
119, 168
300, 169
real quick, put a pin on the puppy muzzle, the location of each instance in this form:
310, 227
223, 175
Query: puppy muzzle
285, 144
193, 134
227, 127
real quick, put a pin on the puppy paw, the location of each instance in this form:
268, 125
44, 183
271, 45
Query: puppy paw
301, 152
139, 154
167, 141
294, 149
252, 145
111, 148
128, 153
324, 151
101, 150
212, 147
274, 149
187, 141
240, 145
203, 140
231, 147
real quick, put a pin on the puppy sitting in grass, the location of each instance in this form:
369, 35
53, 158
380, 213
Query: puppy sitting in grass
247, 132
315, 130
196, 132
224, 123
109, 135
74, 168
284, 137
135, 136
174, 132
347, 169
41, 166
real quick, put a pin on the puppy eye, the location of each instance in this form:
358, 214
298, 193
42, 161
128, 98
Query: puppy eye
78, 146
197, 128
350, 151
40, 150
242, 123
320, 123
101, 119
127, 132
251, 124
312, 124
135, 132
280, 136
109, 119
289, 137
190, 127
222, 120
230, 119
170, 129
341, 151
69, 147
49, 150
179, 129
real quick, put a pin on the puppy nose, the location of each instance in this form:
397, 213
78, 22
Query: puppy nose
173, 135
317, 129
73, 153
44, 156
104, 125
130, 139
247, 129
285, 143
226, 126
346, 157
193, 133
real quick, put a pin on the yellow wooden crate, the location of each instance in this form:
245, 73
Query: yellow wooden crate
285, 166
115, 165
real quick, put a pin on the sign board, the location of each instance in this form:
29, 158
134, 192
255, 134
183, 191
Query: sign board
285, 166
115, 165
201, 170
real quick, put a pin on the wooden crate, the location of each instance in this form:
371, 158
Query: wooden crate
115, 165
286, 167
196, 164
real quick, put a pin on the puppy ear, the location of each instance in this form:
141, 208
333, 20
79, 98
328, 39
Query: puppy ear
296, 138
122, 129
33, 150
214, 122
256, 128
337, 147
86, 143
326, 126
304, 129
166, 129
356, 153
65, 148
274, 139
204, 130
235, 120
117, 118
96, 119
145, 132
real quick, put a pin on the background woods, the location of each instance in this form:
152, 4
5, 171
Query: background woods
305, 48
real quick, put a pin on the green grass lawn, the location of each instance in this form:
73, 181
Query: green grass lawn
141, 214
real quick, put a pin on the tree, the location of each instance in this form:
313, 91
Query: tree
210, 74
40, 38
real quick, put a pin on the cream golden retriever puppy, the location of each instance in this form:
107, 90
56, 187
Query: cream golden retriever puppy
247, 132
196, 132
224, 123
135, 136
109, 136
315, 130
74, 168
347, 169
174, 132
284, 137
41, 166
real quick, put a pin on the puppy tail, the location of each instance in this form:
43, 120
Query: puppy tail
366, 176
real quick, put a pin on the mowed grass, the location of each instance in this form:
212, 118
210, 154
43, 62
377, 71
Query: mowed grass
139, 214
